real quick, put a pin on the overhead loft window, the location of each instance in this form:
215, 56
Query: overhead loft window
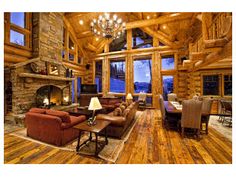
117, 76
18, 18
168, 85
71, 50
18, 29
143, 75
98, 75
141, 39
168, 63
228, 85
118, 44
63, 52
17, 38
211, 85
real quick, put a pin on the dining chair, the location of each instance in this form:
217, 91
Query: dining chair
172, 97
191, 116
168, 121
206, 110
142, 100
227, 112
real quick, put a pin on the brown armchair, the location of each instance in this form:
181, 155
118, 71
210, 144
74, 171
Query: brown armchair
191, 115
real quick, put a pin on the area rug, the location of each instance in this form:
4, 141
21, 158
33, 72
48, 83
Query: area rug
109, 153
223, 129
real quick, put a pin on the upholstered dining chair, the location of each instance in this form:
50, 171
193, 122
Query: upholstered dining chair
168, 121
172, 97
206, 109
191, 115
142, 99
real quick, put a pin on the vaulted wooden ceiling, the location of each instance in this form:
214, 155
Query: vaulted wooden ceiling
172, 29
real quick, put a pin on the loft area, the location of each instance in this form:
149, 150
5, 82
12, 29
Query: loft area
156, 85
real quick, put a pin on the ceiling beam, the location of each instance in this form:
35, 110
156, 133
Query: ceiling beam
159, 36
75, 14
84, 34
160, 20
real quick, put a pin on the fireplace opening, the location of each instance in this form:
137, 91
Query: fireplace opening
48, 96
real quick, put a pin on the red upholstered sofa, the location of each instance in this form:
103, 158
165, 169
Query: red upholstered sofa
50, 126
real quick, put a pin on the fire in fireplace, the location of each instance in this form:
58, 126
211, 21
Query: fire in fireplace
48, 96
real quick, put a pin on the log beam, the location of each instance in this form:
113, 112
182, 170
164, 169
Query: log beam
159, 20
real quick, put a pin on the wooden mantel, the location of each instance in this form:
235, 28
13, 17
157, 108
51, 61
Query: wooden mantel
39, 76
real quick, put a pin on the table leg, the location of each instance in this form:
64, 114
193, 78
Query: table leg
106, 136
96, 150
90, 136
77, 147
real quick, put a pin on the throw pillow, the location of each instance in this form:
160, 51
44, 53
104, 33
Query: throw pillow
38, 110
122, 107
65, 117
117, 112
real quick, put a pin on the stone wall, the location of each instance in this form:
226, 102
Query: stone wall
48, 34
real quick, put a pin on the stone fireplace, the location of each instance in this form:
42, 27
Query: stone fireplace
30, 89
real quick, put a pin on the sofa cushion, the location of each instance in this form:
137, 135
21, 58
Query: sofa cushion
125, 113
38, 110
117, 112
73, 121
65, 117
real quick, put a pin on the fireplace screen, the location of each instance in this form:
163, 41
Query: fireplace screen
48, 96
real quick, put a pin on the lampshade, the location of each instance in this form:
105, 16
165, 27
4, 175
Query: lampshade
94, 104
129, 96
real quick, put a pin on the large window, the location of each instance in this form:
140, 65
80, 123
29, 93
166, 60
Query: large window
141, 39
227, 85
18, 29
117, 76
143, 76
168, 63
98, 75
211, 85
168, 83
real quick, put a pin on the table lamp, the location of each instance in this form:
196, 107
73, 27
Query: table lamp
129, 98
93, 105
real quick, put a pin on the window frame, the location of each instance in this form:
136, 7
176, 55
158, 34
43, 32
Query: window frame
219, 81
109, 74
223, 84
27, 31
95, 72
141, 58
175, 62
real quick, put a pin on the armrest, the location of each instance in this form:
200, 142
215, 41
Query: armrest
115, 120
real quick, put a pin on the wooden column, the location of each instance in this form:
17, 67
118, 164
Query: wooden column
129, 64
204, 27
176, 81
105, 75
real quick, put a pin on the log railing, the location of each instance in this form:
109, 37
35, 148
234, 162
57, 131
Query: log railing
219, 25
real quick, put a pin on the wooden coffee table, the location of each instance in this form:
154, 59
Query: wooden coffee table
96, 129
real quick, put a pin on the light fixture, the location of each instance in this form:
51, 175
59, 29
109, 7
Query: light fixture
164, 26
148, 17
81, 22
129, 98
107, 26
97, 38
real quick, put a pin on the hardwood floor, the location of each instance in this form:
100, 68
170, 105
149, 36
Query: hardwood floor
149, 143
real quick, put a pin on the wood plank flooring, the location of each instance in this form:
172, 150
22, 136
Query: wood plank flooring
149, 143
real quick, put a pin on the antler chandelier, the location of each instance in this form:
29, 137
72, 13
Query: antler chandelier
108, 27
